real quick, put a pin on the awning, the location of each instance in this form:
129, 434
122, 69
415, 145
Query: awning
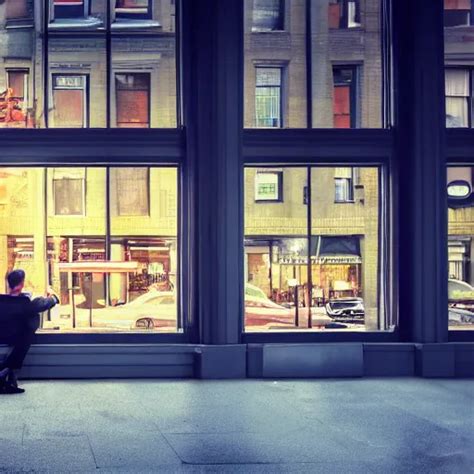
95, 266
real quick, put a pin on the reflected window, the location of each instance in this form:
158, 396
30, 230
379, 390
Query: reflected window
318, 271
268, 97
69, 192
344, 13
269, 186
268, 15
458, 13
131, 191
17, 9
14, 101
461, 247
70, 101
344, 97
344, 185
133, 9
133, 100
459, 97
69, 8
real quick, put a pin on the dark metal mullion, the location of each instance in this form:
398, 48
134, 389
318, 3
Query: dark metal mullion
309, 55
309, 222
108, 52
107, 233
179, 60
46, 63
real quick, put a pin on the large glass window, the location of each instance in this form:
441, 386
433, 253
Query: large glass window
333, 64
114, 268
461, 247
90, 80
309, 262
459, 57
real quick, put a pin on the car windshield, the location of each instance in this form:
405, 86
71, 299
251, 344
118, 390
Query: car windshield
460, 290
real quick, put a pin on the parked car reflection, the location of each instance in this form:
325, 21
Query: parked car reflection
460, 303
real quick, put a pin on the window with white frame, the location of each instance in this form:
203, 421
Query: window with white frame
70, 101
69, 8
344, 184
344, 13
268, 97
268, 15
69, 191
133, 9
269, 186
458, 97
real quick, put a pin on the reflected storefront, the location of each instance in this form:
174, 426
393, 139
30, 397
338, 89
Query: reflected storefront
325, 270
66, 233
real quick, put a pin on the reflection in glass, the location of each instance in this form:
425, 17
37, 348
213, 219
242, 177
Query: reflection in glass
318, 273
459, 57
343, 85
138, 65
461, 247
114, 267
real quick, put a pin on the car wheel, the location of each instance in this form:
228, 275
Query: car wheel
145, 323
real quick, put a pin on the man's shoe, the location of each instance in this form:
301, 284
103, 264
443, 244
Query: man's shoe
7, 389
11, 379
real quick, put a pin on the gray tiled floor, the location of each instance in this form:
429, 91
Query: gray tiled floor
328, 426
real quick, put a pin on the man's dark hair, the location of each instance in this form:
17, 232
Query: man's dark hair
15, 277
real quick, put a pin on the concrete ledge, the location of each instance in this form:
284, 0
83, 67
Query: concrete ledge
83, 361
389, 360
221, 362
435, 360
313, 360
464, 359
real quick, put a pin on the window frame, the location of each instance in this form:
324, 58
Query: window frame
83, 196
281, 19
86, 100
280, 89
470, 97
86, 9
135, 16
279, 197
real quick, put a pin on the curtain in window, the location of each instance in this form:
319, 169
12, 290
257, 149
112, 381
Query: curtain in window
131, 191
457, 94
16, 9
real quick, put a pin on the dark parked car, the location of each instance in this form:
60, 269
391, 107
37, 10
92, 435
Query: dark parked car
347, 310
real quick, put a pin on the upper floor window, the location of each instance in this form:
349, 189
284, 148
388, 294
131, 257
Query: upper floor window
17, 9
344, 97
70, 101
459, 97
268, 15
134, 9
69, 8
458, 13
69, 191
268, 97
130, 191
269, 186
344, 184
133, 99
344, 13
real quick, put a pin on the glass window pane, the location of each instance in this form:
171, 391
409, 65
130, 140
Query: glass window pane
343, 86
112, 272
138, 65
314, 274
459, 57
144, 218
143, 76
461, 247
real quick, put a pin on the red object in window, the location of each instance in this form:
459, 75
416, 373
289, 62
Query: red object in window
132, 109
342, 107
334, 12
16, 9
457, 4
69, 108
16, 82
132, 3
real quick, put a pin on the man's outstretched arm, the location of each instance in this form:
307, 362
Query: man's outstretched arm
43, 303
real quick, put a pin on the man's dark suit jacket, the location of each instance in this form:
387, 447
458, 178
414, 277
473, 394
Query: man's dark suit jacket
19, 314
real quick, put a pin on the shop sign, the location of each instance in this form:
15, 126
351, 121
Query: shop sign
323, 260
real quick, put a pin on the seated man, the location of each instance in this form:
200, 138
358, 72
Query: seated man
19, 320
